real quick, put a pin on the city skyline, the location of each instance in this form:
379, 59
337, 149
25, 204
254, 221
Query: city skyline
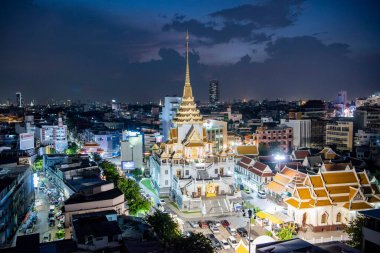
135, 52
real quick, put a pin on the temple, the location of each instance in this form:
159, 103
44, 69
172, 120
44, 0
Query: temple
186, 168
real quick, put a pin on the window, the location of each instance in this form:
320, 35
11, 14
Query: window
166, 172
166, 182
186, 172
339, 217
324, 218
216, 171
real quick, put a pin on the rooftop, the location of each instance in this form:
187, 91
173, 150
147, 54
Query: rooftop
80, 198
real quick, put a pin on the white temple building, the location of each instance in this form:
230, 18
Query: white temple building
186, 168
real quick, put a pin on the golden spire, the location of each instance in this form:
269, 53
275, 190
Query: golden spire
187, 91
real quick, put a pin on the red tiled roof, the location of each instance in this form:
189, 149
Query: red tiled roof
259, 166
301, 154
245, 160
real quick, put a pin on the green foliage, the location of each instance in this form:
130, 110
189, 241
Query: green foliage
96, 157
38, 164
285, 233
137, 173
72, 149
110, 172
135, 201
60, 234
164, 226
195, 243
263, 150
269, 233
354, 231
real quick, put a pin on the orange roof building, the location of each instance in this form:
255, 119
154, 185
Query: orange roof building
330, 199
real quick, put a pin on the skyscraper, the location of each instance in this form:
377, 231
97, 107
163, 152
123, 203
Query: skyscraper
213, 91
18, 99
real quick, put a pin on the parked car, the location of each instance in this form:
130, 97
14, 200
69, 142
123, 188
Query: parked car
214, 229
202, 224
242, 232
194, 224
232, 231
210, 236
217, 223
58, 213
162, 202
225, 244
29, 230
261, 194
225, 223
232, 241
216, 244
59, 217
46, 239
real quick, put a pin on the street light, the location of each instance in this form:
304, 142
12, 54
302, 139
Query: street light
131, 146
250, 213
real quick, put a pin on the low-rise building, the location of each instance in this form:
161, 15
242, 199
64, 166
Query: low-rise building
340, 134
371, 231
279, 136
328, 200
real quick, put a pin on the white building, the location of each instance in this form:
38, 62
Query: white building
132, 148
216, 132
55, 135
169, 110
301, 131
186, 167
364, 138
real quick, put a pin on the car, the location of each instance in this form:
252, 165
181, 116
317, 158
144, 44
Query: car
216, 244
249, 239
210, 236
162, 202
261, 194
194, 224
60, 226
217, 223
232, 231
214, 229
29, 231
232, 241
45, 239
242, 232
188, 233
59, 217
202, 224
225, 244
225, 223
58, 213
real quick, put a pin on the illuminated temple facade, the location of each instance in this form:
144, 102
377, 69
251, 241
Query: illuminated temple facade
185, 167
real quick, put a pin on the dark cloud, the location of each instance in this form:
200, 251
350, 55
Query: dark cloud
274, 14
242, 22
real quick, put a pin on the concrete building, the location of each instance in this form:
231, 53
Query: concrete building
213, 92
318, 132
16, 199
371, 231
132, 148
97, 231
367, 118
268, 136
101, 198
341, 134
54, 135
301, 131
169, 110
365, 138
109, 142
216, 132
19, 100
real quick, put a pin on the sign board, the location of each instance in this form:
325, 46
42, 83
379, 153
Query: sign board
26, 141
127, 165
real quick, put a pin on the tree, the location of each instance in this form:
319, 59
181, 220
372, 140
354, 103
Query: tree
96, 157
137, 173
263, 149
285, 233
195, 243
164, 226
135, 201
38, 164
110, 172
354, 231
72, 149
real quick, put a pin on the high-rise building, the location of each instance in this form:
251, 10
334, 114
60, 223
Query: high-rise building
342, 97
132, 150
55, 135
169, 110
340, 133
213, 91
301, 131
19, 102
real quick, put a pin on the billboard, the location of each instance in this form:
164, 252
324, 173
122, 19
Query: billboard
127, 165
26, 141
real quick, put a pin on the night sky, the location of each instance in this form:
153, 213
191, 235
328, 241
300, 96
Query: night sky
134, 50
